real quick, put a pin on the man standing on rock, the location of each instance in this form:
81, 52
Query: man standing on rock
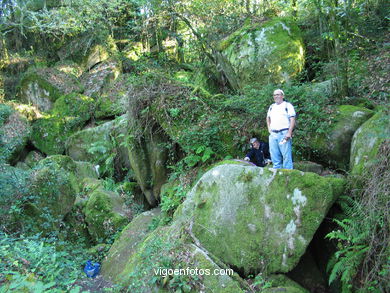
281, 122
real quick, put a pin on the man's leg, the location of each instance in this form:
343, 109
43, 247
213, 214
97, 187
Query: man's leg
276, 156
286, 150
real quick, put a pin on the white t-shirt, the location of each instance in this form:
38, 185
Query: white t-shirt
280, 117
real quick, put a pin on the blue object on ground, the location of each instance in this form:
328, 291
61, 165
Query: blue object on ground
91, 269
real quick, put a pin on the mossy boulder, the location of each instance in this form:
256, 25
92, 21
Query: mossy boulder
252, 217
281, 283
86, 170
15, 131
33, 158
89, 185
114, 98
105, 214
367, 140
163, 249
131, 237
41, 87
100, 76
52, 194
148, 158
271, 52
94, 145
78, 146
69, 67
50, 133
333, 147
69, 114
88, 50
74, 105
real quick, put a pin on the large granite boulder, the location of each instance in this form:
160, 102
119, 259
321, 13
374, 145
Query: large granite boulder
148, 158
69, 114
52, 192
333, 147
41, 87
88, 50
254, 218
367, 140
94, 145
270, 52
14, 133
100, 76
105, 214
114, 99
130, 239
152, 262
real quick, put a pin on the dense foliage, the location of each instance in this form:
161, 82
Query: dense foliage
176, 85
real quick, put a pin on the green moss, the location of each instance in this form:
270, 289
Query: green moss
33, 158
53, 192
14, 133
104, 214
130, 239
85, 169
283, 284
256, 218
333, 148
50, 133
52, 82
366, 142
89, 185
74, 105
5, 112
276, 46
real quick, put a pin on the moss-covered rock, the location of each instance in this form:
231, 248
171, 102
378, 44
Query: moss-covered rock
100, 76
89, 185
33, 158
271, 52
86, 170
366, 142
123, 248
252, 217
74, 105
88, 50
69, 67
69, 114
333, 148
144, 269
148, 158
94, 145
43, 86
14, 133
114, 98
281, 283
52, 194
105, 214
50, 133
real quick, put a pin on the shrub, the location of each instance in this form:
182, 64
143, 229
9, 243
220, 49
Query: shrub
362, 259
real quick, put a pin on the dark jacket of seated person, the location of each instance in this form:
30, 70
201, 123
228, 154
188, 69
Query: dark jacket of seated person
258, 153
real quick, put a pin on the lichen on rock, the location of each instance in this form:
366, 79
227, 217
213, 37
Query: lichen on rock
270, 52
252, 217
366, 142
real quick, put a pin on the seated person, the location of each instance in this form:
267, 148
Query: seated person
259, 153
